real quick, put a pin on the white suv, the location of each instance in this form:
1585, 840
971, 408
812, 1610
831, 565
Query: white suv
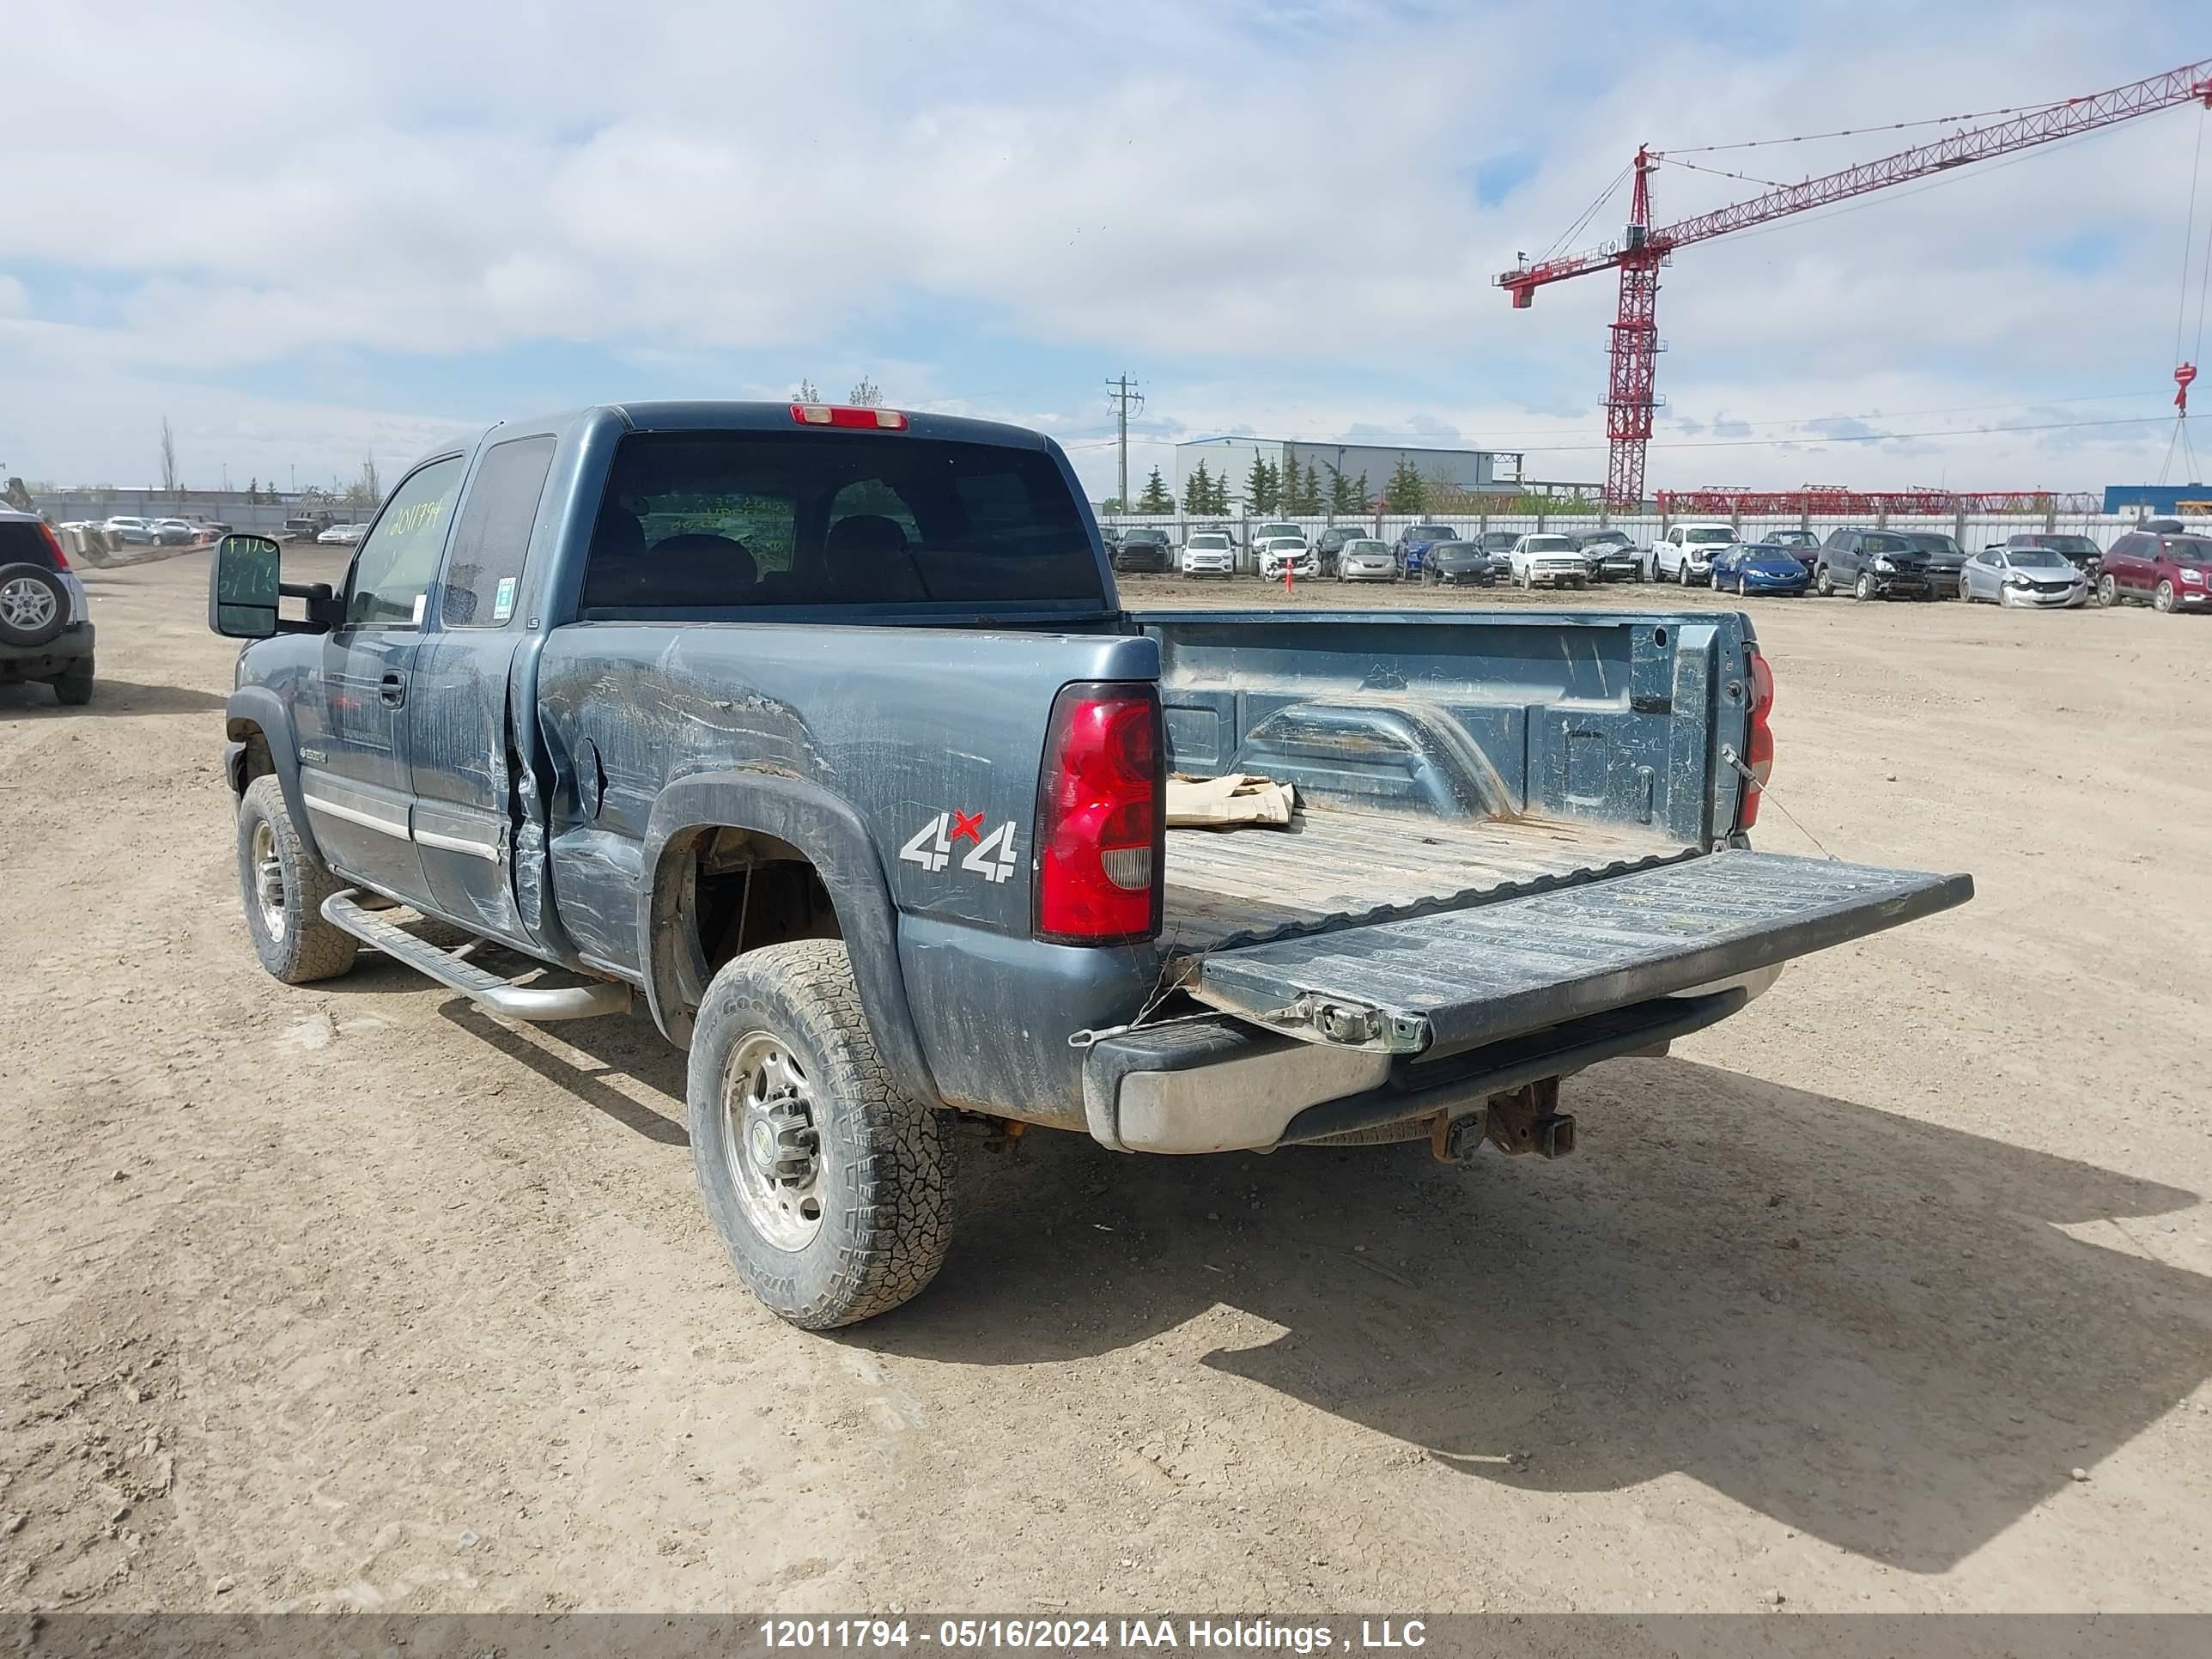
1207, 553
1548, 558
1686, 552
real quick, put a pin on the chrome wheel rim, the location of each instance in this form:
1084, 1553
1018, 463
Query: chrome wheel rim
772, 1141
26, 603
2165, 596
268, 879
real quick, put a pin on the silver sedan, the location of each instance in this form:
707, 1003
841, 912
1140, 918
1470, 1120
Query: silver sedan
1366, 561
2033, 576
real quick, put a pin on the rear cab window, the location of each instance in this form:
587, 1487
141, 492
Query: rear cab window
745, 520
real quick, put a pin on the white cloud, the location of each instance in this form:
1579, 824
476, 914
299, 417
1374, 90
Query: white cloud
1268, 194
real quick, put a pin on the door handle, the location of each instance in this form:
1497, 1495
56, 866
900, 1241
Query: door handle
392, 689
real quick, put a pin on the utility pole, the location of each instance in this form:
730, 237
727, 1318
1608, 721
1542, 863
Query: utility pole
1124, 397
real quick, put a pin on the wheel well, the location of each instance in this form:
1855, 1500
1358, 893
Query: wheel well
257, 762
748, 889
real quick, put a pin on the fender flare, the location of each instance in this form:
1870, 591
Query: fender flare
256, 705
834, 840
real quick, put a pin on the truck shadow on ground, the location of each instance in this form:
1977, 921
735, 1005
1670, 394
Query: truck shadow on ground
1867, 1328
109, 697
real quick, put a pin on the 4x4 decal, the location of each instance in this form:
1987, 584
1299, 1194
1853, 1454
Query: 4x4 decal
990, 854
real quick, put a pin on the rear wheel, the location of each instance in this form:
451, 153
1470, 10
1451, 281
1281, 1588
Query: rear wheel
284, 885
830, 1187
2161, 598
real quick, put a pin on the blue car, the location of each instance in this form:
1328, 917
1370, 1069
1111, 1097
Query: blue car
1749, 567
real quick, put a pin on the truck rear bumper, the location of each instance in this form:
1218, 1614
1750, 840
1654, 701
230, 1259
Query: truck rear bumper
1218, 1085
38, 662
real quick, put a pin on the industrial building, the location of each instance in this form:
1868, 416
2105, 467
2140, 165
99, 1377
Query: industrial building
2167, 499
1230, 459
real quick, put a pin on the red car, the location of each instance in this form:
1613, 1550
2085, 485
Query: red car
2171, 569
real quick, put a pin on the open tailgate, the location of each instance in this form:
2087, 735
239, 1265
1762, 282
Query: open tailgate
1442, 984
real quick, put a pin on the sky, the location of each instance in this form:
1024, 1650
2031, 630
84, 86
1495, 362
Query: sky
310, 236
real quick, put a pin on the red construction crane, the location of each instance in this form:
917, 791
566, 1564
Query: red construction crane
1642, 249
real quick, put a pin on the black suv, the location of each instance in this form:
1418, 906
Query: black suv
1873, 564
1143, 548
45, 629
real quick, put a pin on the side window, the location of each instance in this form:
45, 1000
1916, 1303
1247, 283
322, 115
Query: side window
484, 570
392, 572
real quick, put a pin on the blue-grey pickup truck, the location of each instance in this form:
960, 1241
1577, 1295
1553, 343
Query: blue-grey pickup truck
822, 733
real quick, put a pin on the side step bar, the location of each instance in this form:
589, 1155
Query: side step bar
486, 990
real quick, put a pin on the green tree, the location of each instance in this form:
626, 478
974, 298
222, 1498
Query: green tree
1406, 492
1198, 491
1156, 499
1309, 490
1340, 492
1259, 486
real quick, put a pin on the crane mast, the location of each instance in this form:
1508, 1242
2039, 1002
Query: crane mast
1630, 393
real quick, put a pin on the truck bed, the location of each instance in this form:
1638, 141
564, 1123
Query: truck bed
1339, 867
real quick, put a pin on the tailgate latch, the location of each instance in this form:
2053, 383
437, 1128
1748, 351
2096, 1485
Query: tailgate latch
1344, 1024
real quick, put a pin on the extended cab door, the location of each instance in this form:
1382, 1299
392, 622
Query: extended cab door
461, 726
352, 719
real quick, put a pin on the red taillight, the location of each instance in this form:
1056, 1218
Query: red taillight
54, 544
875, 420
1759, 740
1101, 817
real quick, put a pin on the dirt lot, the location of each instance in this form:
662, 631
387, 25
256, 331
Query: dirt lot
350, 1297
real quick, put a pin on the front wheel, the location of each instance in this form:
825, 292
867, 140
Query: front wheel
1823, 583
2108, 592
1864, 589
831, 1188
2161, 598
1683, 571
283, 884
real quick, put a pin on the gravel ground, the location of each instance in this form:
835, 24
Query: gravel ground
1890, 1294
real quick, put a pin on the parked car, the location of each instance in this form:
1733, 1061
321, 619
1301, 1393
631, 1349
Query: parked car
2173, 571
1611, 556
1366, 559
1207, 553
174, 532
1110, 535
306, 526
2039, 577
1455, 564
1144, 549
1803, 543
124, 529
46, 624
2081, 552
1946, 559
1281, 553
1330, 543
1747, 567
1268, 532
1414, 542
865, 928
1549, 559
343, 535
1499, 543
1873, 564
1685, 553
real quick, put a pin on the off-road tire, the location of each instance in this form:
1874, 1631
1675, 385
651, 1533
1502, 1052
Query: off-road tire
73, 685
886, 1160
309, 948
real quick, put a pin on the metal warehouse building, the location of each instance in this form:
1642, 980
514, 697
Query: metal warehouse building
1231, 459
